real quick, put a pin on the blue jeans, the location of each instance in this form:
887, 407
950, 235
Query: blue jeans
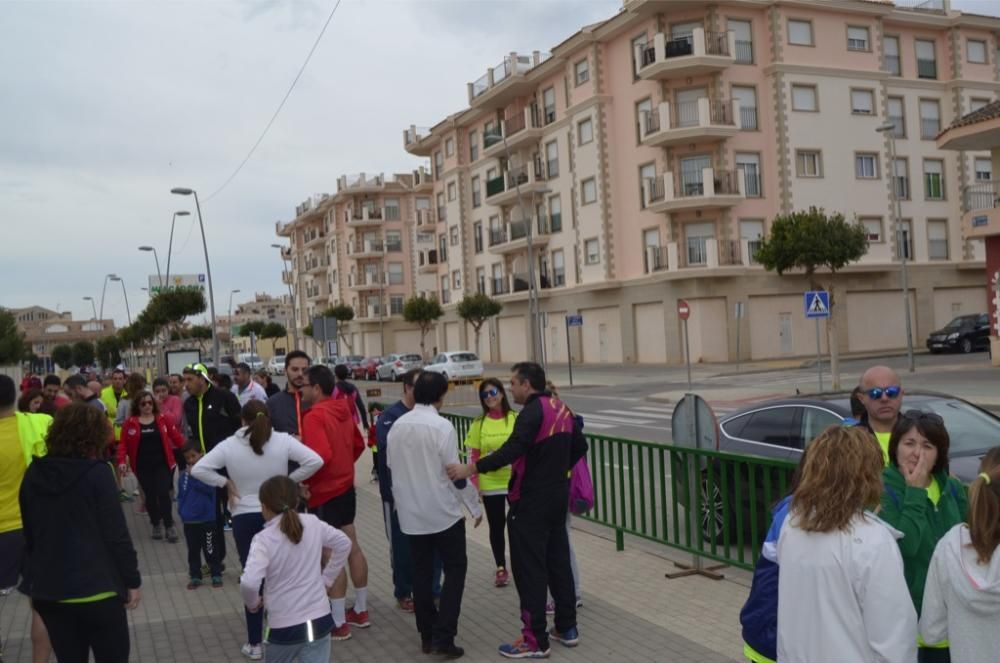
317, 651
245, 526
399, 557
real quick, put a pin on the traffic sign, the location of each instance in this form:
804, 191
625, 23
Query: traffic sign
574, 320
817, 304
683, 309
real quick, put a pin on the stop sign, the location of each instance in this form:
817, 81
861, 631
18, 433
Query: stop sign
683, 309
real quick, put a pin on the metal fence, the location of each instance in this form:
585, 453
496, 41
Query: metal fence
710, 504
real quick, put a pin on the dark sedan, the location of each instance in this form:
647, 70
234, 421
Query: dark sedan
963, 334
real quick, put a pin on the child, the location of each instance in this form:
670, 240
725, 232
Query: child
288, 554
374, 412
962, 594
196, 506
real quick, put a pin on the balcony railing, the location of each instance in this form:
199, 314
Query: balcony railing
655, 191
366, 246
686, 114
365, 213
729, 252
748, 117
692, 184
744, 52
495, 186
982, 195
511, 65
656, 259
501, 286
753, 247
498, 236
426, 217
696, 252
933, 6
751, 184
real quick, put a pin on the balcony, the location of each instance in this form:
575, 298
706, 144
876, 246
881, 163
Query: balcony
283, 229
505, 82
368, 313
361, 183
982, 209
524, 128
700, 121
287, 278
360, 217
314, 240
371, 248
691, 55
426, 218
364, 281
705, 190
513, 237
423, 178
427, 262
526, 179
418, 141
656, 258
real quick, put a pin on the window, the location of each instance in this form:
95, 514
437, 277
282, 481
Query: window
395, 304
901, 178
744, 40
647, 177
438, 164
491, 136
591, 251
747, 99
857, 39
477, 236
393, 241
937, 239
873, 228
453, 236
442, 248
930, 119
473, 145
481, 280
442, 210
651, 254
897, 115
549, 104
391, 209
804, 98
452, 191
588, 191
926, 59
775, 425
906, 231
395, 273
862, 102
477, 194
558, 268
975, 51
975, 103
933, 179
581, 71
449, 147
555, 214
749, 163
892, 61
808, 163
644, 119
552, 159
456, 279
445, 295
800, 33
984, 169
639, 45
585, 131
866, 166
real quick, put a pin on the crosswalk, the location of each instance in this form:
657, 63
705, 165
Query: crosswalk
651, 416
804, 379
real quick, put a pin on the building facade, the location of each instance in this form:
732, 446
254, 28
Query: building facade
44, 329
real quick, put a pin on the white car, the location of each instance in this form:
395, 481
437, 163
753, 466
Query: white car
277, 365
253, 361
456, 365
393, 366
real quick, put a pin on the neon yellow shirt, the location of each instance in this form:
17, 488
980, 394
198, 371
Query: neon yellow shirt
934, 492
12, 468
486, 435
883, 440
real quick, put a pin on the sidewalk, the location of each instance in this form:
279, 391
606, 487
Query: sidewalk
630, 613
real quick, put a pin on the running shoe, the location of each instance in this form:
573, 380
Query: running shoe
359, 619
521, 649
502, 578
216, 582
405, 604
228, 527
194, 583
157, 532
123, 496
171, 535
253, 652
342, 632
570, 637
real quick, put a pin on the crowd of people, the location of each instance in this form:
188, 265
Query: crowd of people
276, 468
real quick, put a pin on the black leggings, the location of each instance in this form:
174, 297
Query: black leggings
496, 516
76, 629
156, 480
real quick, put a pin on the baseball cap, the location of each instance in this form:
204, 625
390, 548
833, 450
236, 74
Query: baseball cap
197, 369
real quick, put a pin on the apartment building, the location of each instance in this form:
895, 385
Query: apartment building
44, 329
370, 246
644, 157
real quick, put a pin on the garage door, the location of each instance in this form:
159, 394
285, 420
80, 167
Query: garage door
875, 320
407, 340
602, 335
513, 339
650, 334
779, 328
950, 303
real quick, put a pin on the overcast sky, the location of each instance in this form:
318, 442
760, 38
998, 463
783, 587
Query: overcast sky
107, 105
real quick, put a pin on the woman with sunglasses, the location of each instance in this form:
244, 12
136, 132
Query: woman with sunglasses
487, 433
147, 446
921, 501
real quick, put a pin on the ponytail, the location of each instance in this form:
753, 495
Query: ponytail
290, 525
984, 507
281, 495
258, 423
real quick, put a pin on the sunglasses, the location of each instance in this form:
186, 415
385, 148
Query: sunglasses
920, 415
146, 402
490, 393
876, 393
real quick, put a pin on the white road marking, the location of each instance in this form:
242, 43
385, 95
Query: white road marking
644, 415
614, 420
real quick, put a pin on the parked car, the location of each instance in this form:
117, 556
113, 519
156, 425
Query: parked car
365, 369
456, 365
251, 360
350, 361
965, 333
276, 366
393, 366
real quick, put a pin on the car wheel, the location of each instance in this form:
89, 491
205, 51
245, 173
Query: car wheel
967, 345
446, 377
712, 511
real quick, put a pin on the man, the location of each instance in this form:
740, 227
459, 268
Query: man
328, 429
244, 387
421, 444
545, 445
52, 396
175, 382
212, 415
286, 407
22, 438
348, 390
111, 395
882, 395
81, 391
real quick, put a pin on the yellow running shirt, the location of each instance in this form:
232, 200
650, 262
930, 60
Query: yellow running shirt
12, 470
883, 441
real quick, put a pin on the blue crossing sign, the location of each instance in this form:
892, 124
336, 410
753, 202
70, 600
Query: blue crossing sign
574, 320
817, 304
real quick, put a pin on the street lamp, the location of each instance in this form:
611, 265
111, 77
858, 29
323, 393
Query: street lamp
170, 244
291, 292
104, 289
128, 312
92, 305
902, 242
159, 274
181, 191
231, 293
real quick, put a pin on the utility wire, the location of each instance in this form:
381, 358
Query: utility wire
274, 117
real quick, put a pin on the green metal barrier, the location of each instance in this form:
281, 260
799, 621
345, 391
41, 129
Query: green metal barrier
708, 503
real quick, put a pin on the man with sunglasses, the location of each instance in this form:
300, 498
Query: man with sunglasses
882, 395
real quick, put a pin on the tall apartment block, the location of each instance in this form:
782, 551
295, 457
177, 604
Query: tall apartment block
647, 154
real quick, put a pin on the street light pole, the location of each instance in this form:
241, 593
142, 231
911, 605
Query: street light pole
180, 191
170, 244
128, 312
901, 241
231, 293
291, 292
159, 274
104, 289
92, 305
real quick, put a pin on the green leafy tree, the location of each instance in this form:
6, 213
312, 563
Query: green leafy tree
63, 355
83, 353
477, 309
811, 241
273, 330
12, 345
308, 330
200, 333
109, 351
343, 313
253, 327
423, 313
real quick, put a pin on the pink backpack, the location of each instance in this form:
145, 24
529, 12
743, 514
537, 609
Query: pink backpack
581, 488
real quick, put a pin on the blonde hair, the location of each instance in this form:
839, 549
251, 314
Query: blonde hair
984, 507
841, 477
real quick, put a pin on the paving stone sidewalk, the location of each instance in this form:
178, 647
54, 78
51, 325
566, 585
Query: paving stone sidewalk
630, 612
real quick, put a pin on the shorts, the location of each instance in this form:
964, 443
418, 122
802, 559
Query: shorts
11, 556
338, 511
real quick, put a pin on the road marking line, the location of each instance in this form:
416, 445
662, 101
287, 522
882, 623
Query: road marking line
614, 420
650, 408
592, 424
644, 415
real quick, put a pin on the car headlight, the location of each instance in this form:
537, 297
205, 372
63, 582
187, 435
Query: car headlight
953, 336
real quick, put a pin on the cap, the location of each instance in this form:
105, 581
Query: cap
197, 369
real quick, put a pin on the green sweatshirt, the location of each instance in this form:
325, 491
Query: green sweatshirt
486, 435
922, 523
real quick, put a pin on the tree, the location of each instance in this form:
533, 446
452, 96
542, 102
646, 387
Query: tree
63, 355
109, 351
200, 333
83, 353
12, 345
477, 309
273, 330
424, 313
343, 313
811, 240
253, 327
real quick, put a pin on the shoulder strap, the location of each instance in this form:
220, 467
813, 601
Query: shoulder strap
894, 495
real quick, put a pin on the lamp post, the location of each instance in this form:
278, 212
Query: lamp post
170, 244
291, 292
128, 312
181, 191
901, 241
104, 289
231, 293
159, 274
92, 305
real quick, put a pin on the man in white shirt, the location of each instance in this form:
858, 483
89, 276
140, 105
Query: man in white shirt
421, 445
244, 386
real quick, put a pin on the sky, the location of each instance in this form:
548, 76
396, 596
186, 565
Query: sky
109, 104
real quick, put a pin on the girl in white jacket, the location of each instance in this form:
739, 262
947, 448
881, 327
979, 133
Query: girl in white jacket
962, 594
841, 591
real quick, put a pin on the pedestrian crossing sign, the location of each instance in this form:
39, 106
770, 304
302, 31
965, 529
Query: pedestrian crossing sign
817, 303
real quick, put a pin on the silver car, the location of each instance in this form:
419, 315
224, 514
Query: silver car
393, 366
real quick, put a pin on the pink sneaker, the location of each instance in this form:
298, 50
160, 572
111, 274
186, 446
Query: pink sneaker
502, 578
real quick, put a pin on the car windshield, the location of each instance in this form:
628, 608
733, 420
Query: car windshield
962, 321
969, 428
251, 358
464, 356
410, 358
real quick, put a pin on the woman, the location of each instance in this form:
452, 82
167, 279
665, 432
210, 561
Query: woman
922, 502
135, 383
170, 406
30, 401
148, 442
487, 433
263, 378
80, 568
254, 454
832, 552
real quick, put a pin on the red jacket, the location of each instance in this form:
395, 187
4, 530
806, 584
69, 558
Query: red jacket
328, 428
129, 445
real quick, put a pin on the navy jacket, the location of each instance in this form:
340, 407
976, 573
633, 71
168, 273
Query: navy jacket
385, 422
195, 500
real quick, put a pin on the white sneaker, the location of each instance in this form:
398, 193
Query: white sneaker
253, 652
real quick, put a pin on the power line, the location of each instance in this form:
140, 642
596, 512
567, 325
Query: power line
274, 117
